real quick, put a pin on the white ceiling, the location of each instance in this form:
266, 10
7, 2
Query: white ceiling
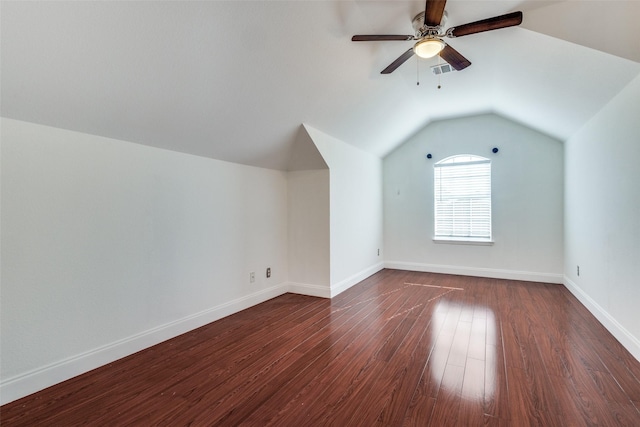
234, 80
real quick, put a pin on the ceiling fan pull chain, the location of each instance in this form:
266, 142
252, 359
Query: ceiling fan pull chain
417, 71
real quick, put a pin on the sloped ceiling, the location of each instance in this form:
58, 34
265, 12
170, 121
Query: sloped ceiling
235, 80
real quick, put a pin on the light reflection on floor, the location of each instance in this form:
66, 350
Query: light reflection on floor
464, 349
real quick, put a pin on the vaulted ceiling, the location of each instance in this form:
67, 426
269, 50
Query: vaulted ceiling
234, 80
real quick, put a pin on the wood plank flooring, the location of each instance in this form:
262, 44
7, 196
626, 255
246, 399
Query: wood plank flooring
400, 348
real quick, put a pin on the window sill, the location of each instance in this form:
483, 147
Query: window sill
462, 241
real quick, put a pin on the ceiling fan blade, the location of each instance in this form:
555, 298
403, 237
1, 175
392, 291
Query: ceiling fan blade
502, 21
398, 62
379, 37
433, 11
454, 58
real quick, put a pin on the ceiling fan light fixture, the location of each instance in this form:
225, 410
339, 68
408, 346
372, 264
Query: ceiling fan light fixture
428, 47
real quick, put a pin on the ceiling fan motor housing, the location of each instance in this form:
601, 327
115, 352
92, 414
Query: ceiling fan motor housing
422, 30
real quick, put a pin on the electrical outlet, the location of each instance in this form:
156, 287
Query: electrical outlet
268, 272
252, 277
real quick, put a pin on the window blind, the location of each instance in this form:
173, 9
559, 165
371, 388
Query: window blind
462, 192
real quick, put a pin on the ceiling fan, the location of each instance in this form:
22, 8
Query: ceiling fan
428, 26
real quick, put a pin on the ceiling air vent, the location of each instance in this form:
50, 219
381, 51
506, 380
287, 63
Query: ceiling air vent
442, 69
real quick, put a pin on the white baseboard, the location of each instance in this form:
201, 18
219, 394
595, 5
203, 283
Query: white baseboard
630, 342
345, 284
330, 292
310, 290
30, 382
494, 273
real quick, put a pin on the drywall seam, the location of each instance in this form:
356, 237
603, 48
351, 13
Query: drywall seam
627, 339
495, 273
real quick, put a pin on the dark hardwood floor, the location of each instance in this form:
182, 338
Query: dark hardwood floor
400, 348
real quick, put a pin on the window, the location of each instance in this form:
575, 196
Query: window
462, 190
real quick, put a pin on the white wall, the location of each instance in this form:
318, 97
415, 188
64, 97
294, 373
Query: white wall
309, 252
602, 216
109, 247
527, 206
355, 210
309, 228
